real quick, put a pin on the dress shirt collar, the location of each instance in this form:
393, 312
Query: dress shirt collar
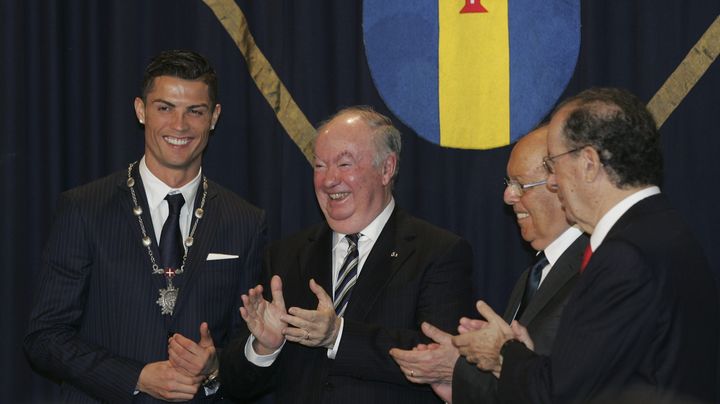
156, 190
560, 244
613, 215
373, 230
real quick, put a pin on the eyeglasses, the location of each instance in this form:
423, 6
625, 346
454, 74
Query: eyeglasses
549, 161
519, 189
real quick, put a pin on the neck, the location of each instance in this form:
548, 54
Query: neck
173, 177
607, 199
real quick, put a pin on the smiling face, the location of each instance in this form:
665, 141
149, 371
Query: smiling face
350, 188
178, 117
538, 211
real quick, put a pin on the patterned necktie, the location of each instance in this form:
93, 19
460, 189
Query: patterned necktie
171, 246
586, 258
347, 275
533, 282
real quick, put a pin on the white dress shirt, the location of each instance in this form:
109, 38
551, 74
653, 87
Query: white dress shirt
557, 248
156, 191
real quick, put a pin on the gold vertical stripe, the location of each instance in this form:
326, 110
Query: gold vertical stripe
474, 76
687, 74
291, 118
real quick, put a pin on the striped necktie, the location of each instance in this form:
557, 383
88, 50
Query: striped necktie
347, 275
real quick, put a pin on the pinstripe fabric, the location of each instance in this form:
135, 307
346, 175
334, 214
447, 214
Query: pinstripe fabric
95, 322
415, 272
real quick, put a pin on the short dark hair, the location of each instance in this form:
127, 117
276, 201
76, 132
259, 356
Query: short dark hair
386, 136
183, 64
619, 126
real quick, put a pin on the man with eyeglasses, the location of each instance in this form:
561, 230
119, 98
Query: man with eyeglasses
642, 322
540, 294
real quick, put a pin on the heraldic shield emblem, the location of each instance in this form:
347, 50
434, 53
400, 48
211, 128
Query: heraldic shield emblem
471, 74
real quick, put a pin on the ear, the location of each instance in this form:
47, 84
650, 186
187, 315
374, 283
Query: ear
591, 165
140, 110
215, 116
388, 168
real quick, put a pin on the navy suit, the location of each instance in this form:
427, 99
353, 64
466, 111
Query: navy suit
95, 323
415, 272
541, 317
643, 317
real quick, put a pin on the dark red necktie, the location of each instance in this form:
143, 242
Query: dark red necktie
586, 258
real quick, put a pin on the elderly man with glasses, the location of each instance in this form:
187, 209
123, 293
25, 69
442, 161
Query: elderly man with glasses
538, 297
642, 323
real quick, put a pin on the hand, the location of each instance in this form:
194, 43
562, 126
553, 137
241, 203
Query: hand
194, 359
521, 334
444, 391
428, 364
164, 382
264, 318
313, 328
482, 347
470, 324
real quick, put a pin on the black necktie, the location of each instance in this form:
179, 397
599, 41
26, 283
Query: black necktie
171, 245
533, 282
347, 276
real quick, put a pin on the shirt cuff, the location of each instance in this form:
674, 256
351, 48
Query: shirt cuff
260, 360
332, 352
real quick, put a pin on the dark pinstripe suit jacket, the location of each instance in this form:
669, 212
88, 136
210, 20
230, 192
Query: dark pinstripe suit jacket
642, 317
427, 279
542, 318
95, 323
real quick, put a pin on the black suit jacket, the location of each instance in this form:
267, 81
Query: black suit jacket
415, 272
643, 316
95, 323
541, 317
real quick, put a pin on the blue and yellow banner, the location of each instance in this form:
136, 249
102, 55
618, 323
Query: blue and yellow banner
471, 74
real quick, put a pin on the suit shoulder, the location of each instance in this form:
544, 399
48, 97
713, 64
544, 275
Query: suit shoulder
230, 198
308, 234
97, 190
425, 229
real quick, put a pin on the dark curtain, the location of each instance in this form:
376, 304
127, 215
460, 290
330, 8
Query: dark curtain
70, 70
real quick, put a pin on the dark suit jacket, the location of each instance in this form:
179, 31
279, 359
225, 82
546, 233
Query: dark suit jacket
95, 323
541, 317
415, 272
643, 316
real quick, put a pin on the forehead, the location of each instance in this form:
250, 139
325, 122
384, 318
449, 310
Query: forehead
169, 86
344, 135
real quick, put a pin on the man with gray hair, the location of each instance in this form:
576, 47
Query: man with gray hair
643, 318
354, 286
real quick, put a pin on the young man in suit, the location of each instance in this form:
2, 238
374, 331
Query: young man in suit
142, 269
560, 247
643, 318
354, 286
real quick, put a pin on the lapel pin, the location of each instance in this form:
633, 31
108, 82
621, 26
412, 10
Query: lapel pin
394, 254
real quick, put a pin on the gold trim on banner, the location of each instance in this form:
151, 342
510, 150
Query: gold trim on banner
291, 118
687, 74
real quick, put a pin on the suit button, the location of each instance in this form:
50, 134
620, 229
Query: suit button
328, 386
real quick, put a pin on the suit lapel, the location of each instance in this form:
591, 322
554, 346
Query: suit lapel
202, 241
565, 269
315, 261
516, 297
126, 207
392, 249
